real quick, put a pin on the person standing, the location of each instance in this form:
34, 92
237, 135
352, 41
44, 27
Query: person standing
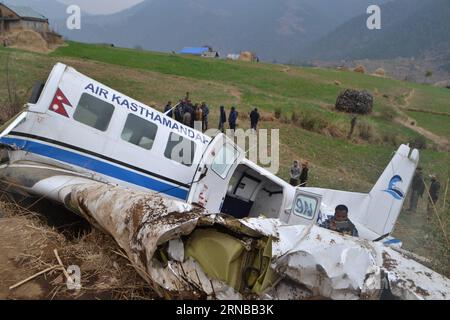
205, 114
179, 111
232, 118
295, 174
418, 188
168, 109
222, 119
352, 126
187, 114
304, 174
433, 197
254, 119
198, 114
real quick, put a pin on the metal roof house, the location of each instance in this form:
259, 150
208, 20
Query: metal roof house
196, 51
16, 18
204, 51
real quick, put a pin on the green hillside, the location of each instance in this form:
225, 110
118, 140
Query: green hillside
320, 134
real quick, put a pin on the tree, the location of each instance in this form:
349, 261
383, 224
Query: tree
428, 74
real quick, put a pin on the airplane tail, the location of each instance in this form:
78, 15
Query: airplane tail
388, 195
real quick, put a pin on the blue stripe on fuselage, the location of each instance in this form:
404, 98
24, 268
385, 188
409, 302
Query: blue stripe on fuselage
96, 166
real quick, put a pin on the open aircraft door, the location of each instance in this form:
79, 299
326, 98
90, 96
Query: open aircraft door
211, 180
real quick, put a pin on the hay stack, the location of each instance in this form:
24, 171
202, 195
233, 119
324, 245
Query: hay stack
28, 40
246, 56
380, 72
360, 69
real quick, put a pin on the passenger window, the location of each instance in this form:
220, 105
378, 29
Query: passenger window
180, 149
139, 132
94, 112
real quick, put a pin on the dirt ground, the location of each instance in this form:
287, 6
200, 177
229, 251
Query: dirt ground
27, 241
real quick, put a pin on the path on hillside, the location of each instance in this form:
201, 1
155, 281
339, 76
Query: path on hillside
235, 92
412, 124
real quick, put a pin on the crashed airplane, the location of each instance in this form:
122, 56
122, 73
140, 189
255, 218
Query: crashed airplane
191, 211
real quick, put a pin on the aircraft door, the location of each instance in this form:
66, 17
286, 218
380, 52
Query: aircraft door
214, 172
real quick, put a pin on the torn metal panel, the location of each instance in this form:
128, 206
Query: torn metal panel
181, 247
411, 280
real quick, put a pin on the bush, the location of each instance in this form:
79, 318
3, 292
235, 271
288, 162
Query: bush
418, 142
354, 101
335, 131
285, 119
277, 113
389, 115
312, 122
392, 139
366, 131
295, 117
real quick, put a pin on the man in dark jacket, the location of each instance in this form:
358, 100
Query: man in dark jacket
340, 222
435, 187
179, 111
304, 174
295, 174
222, 119
254, 119
205, 114
168, 109
417, 189
232, 118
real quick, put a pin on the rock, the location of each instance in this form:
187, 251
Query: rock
354, 101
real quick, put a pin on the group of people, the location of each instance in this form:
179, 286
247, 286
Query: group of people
188, 113
232, 118
299, 174
418, 189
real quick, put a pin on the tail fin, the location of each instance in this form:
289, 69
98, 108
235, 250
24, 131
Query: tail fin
387, 196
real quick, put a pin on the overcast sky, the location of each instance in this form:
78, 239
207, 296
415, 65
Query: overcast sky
102, 6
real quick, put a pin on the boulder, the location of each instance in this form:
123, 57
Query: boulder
354, 101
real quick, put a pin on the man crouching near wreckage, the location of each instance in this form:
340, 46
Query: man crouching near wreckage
340, 222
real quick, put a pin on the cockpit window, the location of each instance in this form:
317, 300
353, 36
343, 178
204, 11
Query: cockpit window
139, 131
224, 160
94, 112
305, 206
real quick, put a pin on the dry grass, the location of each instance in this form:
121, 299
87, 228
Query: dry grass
105, 274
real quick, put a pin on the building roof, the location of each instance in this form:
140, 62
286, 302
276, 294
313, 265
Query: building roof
25, 12
194, 50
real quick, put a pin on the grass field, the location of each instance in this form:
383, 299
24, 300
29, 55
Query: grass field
155, 78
